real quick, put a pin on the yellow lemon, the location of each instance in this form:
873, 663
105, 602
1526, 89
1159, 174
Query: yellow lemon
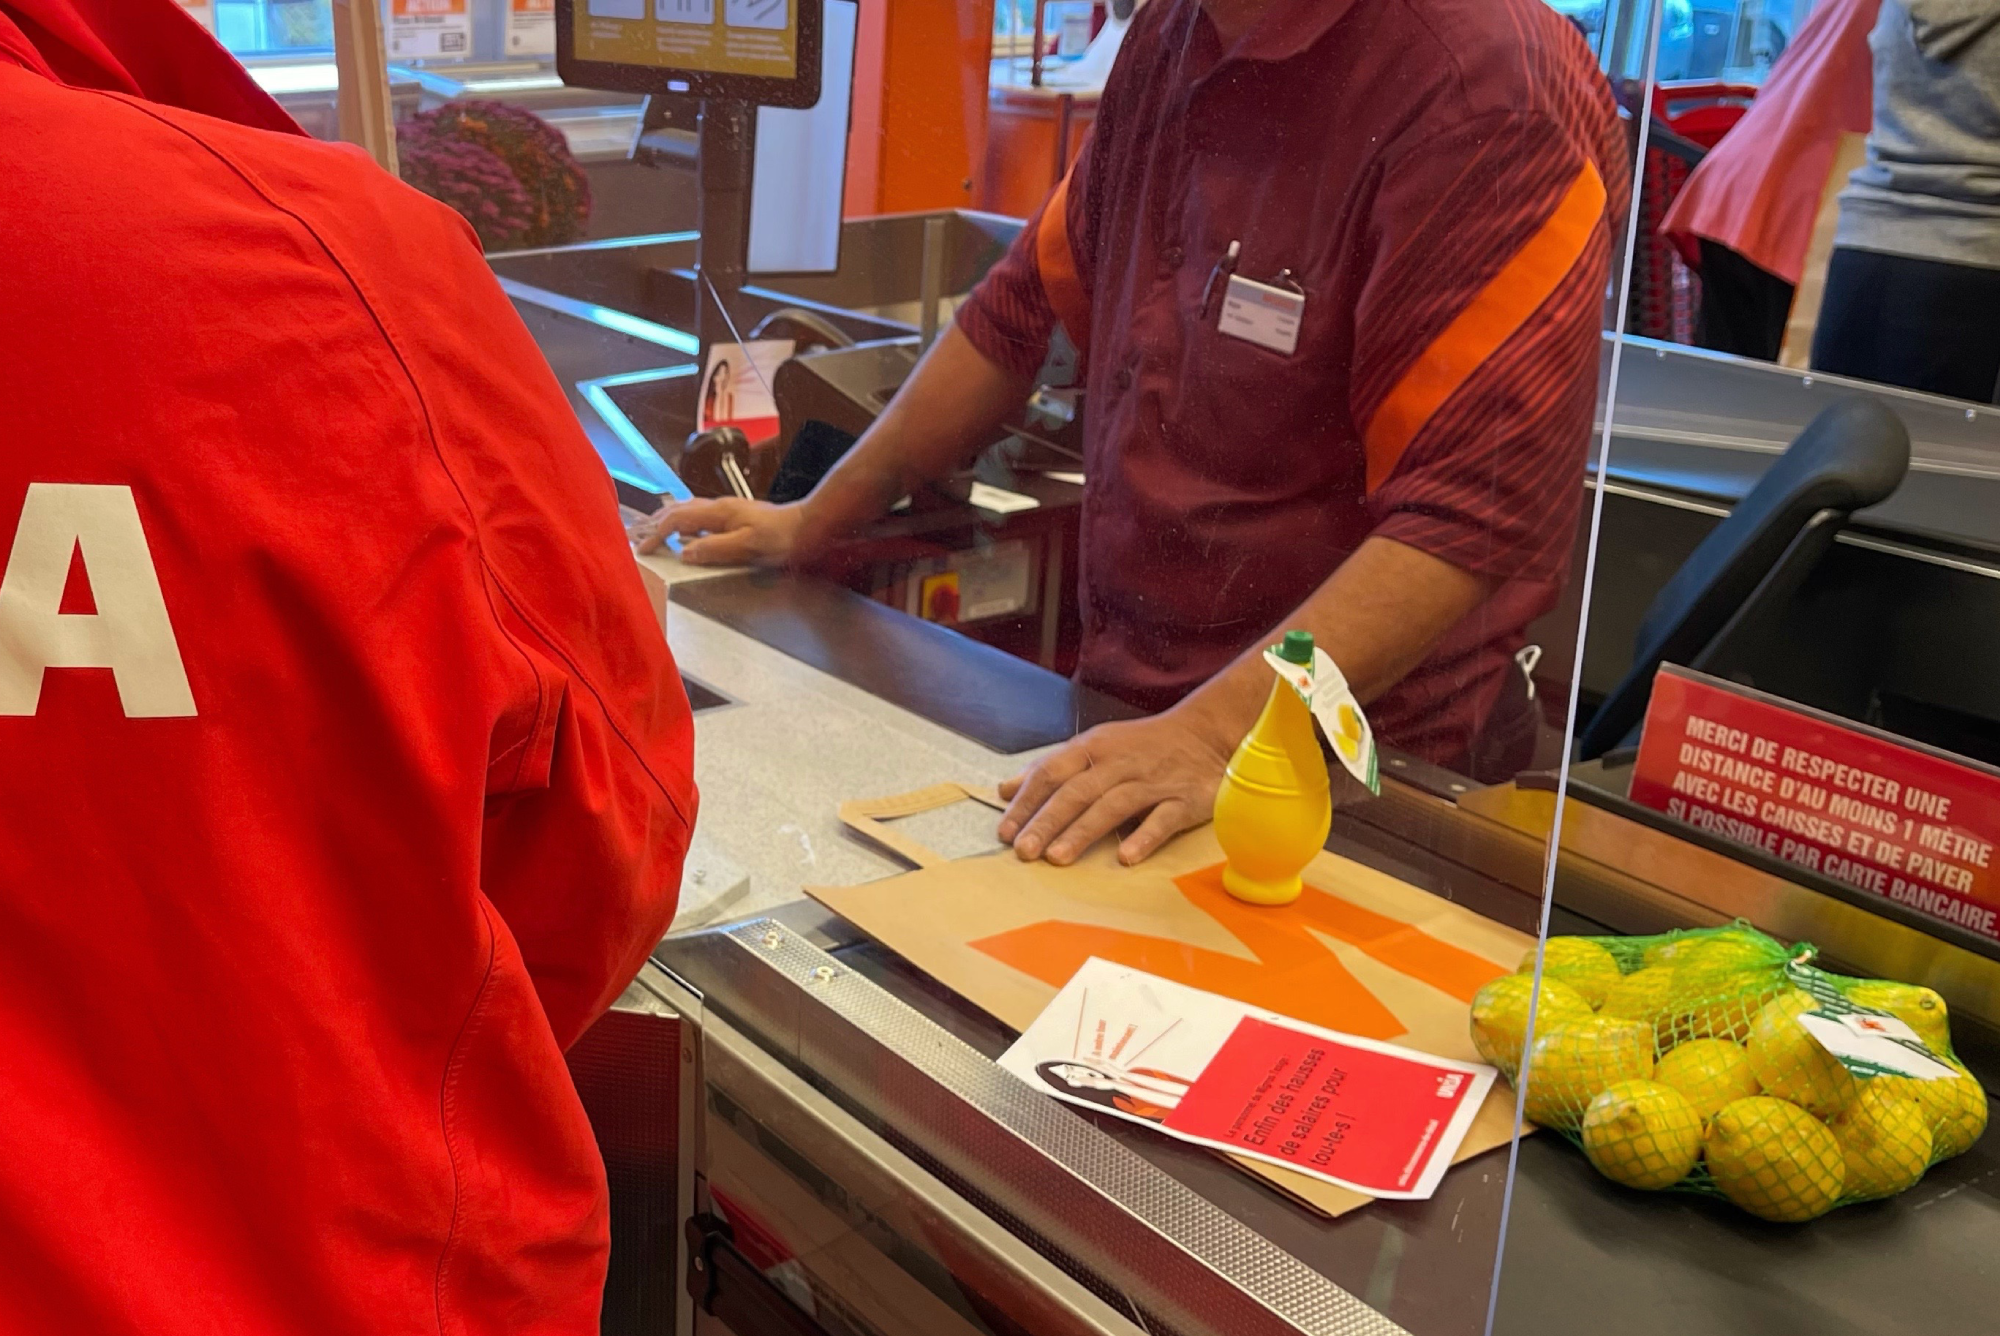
1718, 1006
1578, 962
1664, 951
1774, 1159
1644, 995
1728, 952
1709, 1072
1919, 1008
1500, 1016
1790, 1064
1642, 1134
1680, 946
1955, 1106
1886, 1138
1575, 1060
1720, 984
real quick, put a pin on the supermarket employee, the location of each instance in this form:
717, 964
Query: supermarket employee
1425, 188
346, 777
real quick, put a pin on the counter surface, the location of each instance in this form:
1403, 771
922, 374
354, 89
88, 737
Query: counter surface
790, 745
1582, 1254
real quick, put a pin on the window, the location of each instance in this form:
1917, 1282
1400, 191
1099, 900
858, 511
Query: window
1733, 41
1013, 27
274, 27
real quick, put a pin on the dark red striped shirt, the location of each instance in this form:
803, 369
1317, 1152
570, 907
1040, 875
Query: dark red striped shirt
1438, 175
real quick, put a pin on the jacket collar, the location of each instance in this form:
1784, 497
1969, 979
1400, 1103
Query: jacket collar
148, 49
1288, 28
17, 49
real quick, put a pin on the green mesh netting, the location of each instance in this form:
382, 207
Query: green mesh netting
1679, 1062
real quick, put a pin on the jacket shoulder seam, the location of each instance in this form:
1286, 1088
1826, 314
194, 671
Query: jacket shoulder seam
367, 304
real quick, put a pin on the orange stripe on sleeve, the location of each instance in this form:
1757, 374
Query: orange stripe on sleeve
1056, 259
1484, 326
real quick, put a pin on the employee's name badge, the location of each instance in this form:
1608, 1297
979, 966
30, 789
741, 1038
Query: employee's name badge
1262, 314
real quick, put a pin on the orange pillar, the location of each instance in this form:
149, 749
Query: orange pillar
1032, 137
918, 135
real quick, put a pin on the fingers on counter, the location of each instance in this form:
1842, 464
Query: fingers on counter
711, 515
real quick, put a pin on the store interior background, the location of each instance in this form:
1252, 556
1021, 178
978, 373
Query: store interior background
958, 120
959, 127
1005, 149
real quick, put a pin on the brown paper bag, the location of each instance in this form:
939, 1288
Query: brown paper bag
1360, 952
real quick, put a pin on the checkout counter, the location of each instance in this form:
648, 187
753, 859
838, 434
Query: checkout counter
772, 1055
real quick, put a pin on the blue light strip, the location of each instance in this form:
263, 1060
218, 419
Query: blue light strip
665, 336
654, 474
621, 322
606, 243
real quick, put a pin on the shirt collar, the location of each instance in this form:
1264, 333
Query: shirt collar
1288, 28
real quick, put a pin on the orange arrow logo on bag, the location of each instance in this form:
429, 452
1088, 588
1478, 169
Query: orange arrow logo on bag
1290, 970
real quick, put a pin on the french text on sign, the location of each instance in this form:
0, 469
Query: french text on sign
1912, 824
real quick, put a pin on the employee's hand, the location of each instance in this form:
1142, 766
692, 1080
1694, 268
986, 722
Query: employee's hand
728, 531
1166, 768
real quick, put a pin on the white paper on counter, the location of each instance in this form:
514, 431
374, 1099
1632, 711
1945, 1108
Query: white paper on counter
1151, 1051
999, 500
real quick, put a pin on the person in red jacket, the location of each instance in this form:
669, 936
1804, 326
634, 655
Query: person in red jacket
347, 773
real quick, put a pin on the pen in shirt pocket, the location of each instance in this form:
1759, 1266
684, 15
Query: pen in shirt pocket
1224, 268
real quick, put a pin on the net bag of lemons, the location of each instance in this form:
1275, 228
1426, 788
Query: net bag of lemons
1720, 1061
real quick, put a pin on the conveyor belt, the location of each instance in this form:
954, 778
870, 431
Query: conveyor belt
1583, 1256
1696, 422
1951, 509
976, 691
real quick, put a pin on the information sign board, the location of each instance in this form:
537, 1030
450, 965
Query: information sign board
1895, 818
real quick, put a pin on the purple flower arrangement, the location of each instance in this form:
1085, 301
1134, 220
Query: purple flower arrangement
506, 170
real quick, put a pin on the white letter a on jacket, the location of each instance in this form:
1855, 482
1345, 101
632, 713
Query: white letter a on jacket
129, 633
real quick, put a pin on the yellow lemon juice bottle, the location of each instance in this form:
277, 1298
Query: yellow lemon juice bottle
1275, 804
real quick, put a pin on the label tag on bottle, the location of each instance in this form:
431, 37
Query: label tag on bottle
1323, 687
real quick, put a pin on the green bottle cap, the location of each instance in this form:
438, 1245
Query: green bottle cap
1297, 647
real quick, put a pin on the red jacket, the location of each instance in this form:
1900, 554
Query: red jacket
345, 772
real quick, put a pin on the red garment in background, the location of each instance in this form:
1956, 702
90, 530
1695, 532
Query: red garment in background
1757, 192
299, 906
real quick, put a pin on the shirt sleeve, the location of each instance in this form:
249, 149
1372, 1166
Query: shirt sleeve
590, 795
1477, 341
592, 804
1045, 278
1007, 316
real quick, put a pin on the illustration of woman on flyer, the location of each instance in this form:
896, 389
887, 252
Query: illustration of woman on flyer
1142, 1092
719, 401
735, 388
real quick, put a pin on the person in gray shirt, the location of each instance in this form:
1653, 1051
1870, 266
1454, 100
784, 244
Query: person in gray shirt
1913, 289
